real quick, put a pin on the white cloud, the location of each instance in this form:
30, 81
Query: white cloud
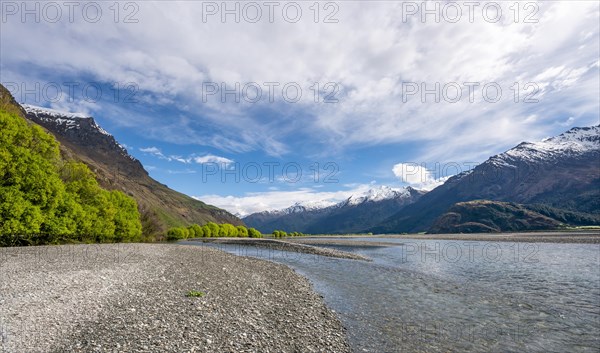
209, 158
180, 159
155, 151
384, 52
418, 176
186, 171
276, 200
152, 150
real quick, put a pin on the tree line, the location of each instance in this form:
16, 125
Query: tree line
282, 234
213, 230
224, 230
45, 199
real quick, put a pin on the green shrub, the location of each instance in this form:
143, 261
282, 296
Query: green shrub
220, 230
242, 231
214, 229
177, 233
227, 230
198, 231
206, 231
194, 293
279, 234
253, 233
46, 199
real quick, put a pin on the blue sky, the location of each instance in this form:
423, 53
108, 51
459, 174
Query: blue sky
374, 59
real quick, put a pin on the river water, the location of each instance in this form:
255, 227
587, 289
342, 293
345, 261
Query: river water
458, 296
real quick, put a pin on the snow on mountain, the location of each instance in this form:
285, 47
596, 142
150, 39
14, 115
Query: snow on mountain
377, 194
53, 113
372, 195
576, 141
305, 206
71, 121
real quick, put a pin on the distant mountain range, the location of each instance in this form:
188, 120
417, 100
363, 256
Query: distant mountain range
540, 185
351, 215
562, 172
161, 208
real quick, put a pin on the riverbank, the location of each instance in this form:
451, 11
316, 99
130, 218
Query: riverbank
286, 245
132, 298
576, 237
590, 237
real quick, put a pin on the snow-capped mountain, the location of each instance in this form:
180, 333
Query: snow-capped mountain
377, 194
298, 207
323, 216
56, 114
306, 206
82, 139
372, 195
572, 143
74, 125
562, 172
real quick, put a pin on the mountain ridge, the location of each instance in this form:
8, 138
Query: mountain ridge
561, 172
84, 140
347, 216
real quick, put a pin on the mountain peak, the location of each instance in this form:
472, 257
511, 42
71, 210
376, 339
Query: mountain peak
358, 212
306, 206
32, 109
65, 120
574, 142
78, 127
587, 136
378, 193
82, 140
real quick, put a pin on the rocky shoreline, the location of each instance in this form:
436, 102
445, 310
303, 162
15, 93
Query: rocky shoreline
132, 298
286, 245
574, 237
587, 237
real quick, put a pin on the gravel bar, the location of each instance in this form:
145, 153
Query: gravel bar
587, 237
342, 242
576, 236
132, 298
284, 246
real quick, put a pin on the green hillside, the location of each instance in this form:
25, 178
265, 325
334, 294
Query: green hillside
47, 199
485, 216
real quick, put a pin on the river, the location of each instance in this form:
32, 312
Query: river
458, 296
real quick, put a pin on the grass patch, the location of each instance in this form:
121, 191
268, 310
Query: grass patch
194, 294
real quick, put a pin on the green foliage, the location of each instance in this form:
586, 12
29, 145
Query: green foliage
128, 227
242, 231
44, 199
480, 216
194, 294
212, 230
177, 233
253, 233
196, 231
228, 230
572, 218
279, 234
206, 232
